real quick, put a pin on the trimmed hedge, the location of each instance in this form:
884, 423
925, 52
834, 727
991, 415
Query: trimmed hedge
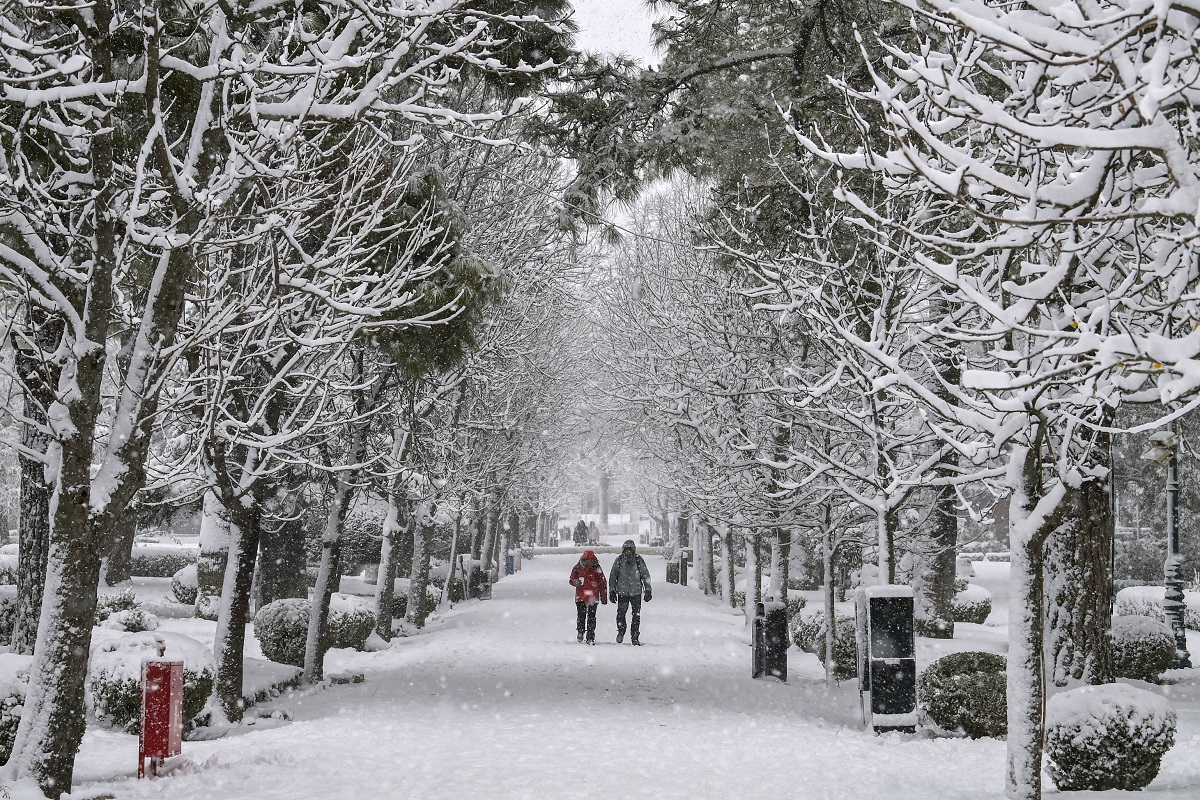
282, 627
1106, 737
115, 676
185, 585
160, 562
14, 682
973, 604
108, 604
8, 613
1142, 647
966, 692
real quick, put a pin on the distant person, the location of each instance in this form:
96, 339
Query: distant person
629, 585
590, 590
593, 533
580, 534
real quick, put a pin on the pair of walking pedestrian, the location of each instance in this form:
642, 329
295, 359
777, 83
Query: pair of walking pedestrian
627, 585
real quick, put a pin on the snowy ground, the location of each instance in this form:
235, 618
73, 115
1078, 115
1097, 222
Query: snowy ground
496, 700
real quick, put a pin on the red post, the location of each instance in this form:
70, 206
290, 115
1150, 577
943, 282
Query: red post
162, 714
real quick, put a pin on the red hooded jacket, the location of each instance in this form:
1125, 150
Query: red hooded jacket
588, 580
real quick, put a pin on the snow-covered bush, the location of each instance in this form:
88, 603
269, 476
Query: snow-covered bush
351, 620
808, 632
8, 612
1147, 601
8, 570
185, 586
282, 627
114, 681
966, 692
106, 604
972, 603
160, 562
14, 681
1142, 647
131, 620
1107, 737
433, 596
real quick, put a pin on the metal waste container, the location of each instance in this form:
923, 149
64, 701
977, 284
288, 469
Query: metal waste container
770, 641
887, 665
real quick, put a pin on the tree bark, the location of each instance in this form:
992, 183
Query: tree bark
1078, 576
281, 561
419, 577
385, 587
728, 574
229, 644
118, 557
215, 538
33, 537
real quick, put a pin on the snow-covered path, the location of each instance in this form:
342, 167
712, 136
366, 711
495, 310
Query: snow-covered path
496, 700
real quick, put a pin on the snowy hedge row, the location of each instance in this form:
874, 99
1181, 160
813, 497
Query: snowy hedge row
282, 627
1106, 737
8, 570
1147, 601
160, 562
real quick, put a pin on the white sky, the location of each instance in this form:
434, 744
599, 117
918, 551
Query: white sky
617, 26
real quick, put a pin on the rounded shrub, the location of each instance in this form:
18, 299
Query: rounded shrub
351, 620
8, 570
14, 682
1142, 647
114, 680
131, 620
106, 604
159, 562
1106, 737
185, 585
966, 692
282, 627
972, 603
8, 613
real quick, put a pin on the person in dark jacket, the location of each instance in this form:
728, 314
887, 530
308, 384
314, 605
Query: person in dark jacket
628, 586
590, 589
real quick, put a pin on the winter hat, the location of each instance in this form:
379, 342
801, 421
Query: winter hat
629, 545
588, 554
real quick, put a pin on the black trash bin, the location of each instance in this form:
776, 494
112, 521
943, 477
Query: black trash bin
770, 641
887, 656
683, 567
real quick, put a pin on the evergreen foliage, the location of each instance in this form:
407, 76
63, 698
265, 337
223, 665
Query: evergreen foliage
966, 692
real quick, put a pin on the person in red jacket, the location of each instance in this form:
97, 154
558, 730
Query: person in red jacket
590, 589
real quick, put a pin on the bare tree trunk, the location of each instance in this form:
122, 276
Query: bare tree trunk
328, 580
385, 586
229, 645
38, 380
1078, 575
33, 538
215, 537
419, 577
1033, 516
830, 609
454, 536
118, 557
490, 514
728, 574
281, 561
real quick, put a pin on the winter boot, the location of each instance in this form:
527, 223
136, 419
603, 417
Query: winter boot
620, 636
579, 636
635, 641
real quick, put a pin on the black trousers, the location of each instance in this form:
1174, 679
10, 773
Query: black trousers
634, 603
585, 613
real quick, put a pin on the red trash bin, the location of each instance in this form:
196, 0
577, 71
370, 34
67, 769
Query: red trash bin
162, 714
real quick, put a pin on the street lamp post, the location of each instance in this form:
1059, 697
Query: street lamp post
1163, 450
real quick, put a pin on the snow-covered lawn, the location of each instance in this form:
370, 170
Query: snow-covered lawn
496, 700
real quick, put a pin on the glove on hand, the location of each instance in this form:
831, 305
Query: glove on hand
577, 582
646, 596
612, 596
